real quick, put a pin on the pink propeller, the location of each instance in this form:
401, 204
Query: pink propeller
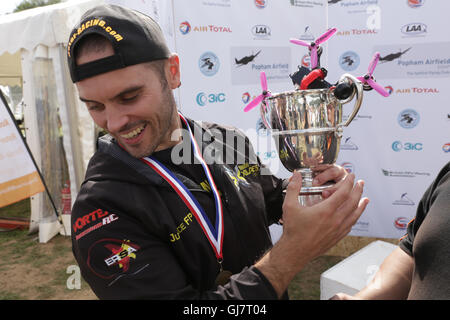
368, 79
313, 46
262, 96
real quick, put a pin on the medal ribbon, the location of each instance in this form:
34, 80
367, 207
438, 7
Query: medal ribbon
213, 234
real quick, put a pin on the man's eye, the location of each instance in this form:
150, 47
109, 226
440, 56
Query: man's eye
129, 98
94, 107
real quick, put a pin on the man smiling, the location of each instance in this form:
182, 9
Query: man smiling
196, 229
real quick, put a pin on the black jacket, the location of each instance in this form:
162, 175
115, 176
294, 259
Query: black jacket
134, 238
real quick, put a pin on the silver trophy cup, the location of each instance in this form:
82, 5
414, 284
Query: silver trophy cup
307, 128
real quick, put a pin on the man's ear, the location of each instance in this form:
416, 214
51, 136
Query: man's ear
173, 71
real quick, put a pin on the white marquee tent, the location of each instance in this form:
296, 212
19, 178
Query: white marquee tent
32, 55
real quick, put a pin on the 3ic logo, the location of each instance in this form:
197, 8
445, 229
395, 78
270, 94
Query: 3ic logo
203, 98
408, 146
267, 155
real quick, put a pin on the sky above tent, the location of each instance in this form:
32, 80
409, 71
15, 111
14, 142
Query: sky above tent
8, 6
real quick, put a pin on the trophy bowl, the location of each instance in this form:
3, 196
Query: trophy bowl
307, 128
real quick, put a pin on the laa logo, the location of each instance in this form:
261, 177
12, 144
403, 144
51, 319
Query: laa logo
414, 29
261, 31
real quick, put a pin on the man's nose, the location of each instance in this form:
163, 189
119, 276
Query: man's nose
116, 120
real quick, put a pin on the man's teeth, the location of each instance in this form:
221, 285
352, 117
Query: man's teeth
133, 133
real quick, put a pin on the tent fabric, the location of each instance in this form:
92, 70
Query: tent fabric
48, 25
10, 69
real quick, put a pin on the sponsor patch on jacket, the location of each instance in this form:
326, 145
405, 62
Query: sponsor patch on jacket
92, 221
109, 258
246, 169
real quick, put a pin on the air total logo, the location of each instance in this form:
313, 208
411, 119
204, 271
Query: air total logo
446, 148
415, 90
415, 3
261, 4
203, 98
356, 32
398, 146
306, 61
185, 28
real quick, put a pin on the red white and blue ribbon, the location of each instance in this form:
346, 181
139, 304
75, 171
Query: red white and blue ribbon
213, 233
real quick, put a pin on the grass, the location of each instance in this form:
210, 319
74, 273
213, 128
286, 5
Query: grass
19, 209
31, 270
306, 284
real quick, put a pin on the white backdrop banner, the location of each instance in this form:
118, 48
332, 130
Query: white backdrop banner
396, 144
399, 143
224, 45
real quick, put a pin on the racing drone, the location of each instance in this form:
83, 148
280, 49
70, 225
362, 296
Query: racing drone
314, 77
314, 46
265, 93
368, 80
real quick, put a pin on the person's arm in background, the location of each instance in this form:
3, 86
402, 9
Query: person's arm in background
391, 282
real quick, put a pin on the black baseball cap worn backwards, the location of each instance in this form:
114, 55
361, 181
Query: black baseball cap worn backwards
135, 37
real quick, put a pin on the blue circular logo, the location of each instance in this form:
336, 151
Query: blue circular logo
408, 118
201, 99
349, 61
208, 64
397, 146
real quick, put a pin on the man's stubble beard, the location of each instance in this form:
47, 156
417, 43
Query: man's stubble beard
165, 121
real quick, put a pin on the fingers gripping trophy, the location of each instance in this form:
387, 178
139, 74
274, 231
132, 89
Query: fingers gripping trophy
306, 123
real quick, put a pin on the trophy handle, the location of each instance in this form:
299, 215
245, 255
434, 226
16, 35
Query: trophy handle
265, 114
358, 90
